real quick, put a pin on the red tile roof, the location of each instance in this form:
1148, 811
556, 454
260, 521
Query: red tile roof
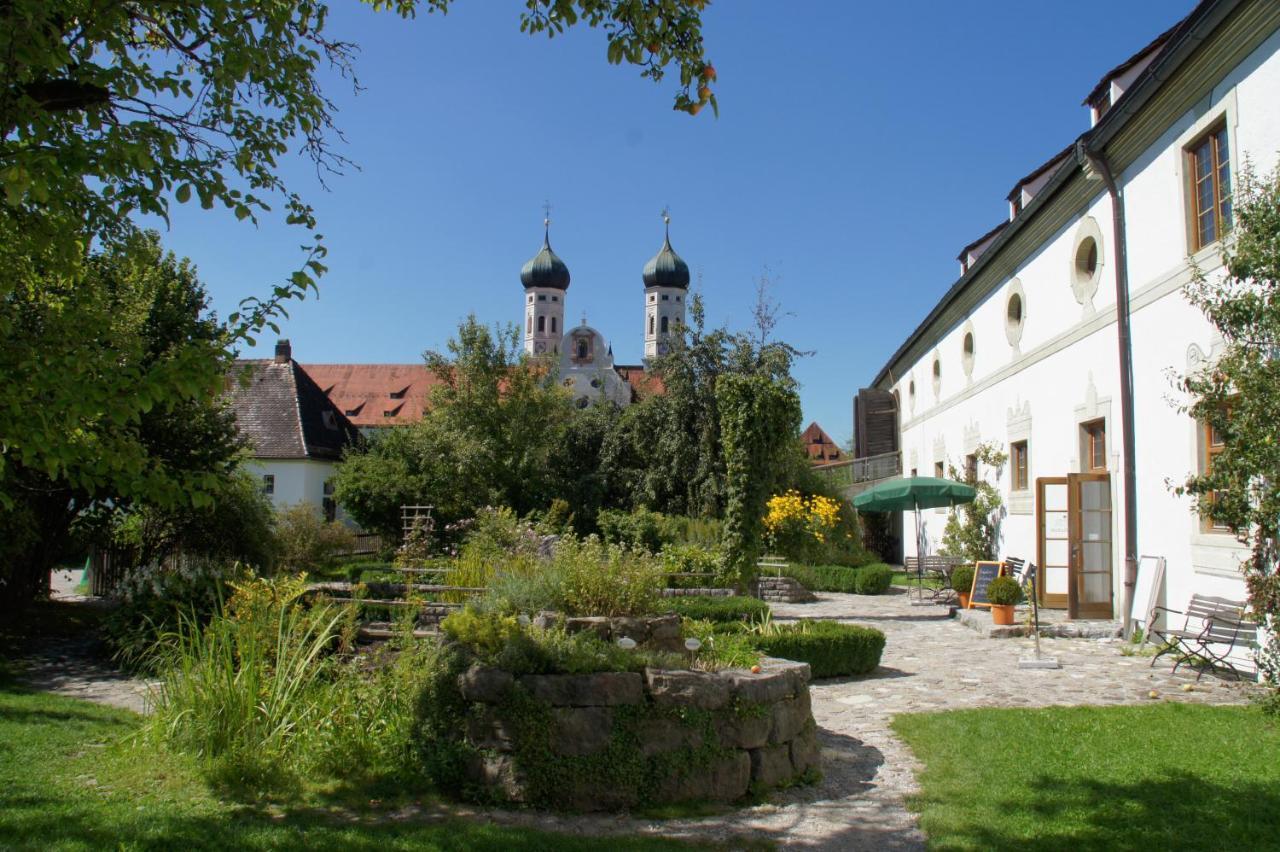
643, 382
819, 445
376, 394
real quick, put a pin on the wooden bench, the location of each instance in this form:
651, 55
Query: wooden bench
1211, 629
934, 567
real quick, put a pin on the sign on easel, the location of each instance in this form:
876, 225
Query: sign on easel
983, 574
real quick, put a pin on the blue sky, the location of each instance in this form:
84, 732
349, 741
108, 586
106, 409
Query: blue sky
859, 147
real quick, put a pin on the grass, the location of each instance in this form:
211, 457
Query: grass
71, 778
1158, 776
903, 578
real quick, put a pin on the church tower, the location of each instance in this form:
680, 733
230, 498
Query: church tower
666, 284
545, 279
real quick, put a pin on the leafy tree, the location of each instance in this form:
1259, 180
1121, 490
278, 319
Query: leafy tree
493, 435
759, 423
973, 529
140, 318
1237, 396
111, 109
238, 525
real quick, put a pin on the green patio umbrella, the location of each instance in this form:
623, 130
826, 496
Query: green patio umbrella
913, 494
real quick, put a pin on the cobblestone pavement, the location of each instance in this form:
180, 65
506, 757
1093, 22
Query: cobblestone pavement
931, 662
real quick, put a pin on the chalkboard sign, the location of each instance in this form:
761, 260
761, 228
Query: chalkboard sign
983, 574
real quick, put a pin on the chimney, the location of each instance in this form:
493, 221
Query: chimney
284, 353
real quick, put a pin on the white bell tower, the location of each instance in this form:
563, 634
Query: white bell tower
546, 280
666, 286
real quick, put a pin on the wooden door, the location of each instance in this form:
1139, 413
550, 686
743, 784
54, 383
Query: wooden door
1053, 540
1090, 577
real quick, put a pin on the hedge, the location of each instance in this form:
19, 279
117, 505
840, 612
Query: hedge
871, 579
830, 648
732, 608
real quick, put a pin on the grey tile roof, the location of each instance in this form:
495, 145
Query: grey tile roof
284, 414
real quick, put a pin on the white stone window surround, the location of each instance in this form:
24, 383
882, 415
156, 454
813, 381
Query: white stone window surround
1211, 113
1013, 329
935, 374
1084, 285
1019, 429
968, 350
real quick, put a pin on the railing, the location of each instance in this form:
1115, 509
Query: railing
842, 474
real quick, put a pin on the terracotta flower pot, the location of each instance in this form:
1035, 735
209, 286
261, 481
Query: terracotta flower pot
1002, 614
964, 599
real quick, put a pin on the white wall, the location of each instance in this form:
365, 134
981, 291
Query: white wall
297, 481
1063, 368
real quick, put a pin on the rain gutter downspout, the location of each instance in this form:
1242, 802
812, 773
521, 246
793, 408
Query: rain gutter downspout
1096, 162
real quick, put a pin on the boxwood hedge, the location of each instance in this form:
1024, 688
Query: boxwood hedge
733, 608
871, 579
830, 648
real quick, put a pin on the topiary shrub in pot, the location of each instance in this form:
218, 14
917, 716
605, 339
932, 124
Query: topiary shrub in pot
962, 583
1004, 593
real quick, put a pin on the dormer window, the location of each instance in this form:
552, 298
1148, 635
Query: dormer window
400, 394
329, 419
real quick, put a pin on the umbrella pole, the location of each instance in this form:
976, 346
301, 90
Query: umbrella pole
919, 557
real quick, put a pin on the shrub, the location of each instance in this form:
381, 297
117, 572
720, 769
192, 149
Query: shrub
868, 580
831, 649
307, 541
639, 529
494, 533
873, 579
153, 598
1004, 591
962, 579
694, 559
726, 609
606, 580
703, 531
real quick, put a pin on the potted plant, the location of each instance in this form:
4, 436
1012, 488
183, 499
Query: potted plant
1003, 593
962, 583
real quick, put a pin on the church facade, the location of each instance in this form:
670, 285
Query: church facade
584, 358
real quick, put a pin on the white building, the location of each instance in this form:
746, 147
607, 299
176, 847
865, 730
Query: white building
295, 432
1027, 349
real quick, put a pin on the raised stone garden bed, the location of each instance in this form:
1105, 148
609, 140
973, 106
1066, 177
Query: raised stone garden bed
658, 632
697, 593
614, 740
1053, 625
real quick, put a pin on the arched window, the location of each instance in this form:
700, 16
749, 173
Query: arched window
664, 325
553, 325
651, 323
542, 323
582, 349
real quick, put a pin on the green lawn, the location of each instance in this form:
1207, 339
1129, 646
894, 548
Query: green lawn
902, 578
71, 779
1158, 776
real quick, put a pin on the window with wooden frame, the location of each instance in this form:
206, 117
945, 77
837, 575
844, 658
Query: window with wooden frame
971, 468
1094, 445
939, 470
1214, 441
1209, 165
1019, 467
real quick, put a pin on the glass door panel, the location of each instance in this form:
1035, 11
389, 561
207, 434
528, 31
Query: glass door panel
1091, 546
1053, 544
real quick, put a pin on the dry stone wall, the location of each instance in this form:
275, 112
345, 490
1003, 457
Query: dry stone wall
687, 736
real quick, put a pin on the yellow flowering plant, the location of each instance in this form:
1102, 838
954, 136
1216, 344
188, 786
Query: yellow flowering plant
794, 523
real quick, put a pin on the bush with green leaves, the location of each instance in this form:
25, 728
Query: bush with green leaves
154, 599
830, 648
1004, 591
706, 564
719, 609
873, 579
639, 529
307, 541
962, 579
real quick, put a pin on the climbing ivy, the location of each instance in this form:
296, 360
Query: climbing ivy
759, 424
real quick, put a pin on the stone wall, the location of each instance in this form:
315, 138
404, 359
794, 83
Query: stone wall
658, 632
689, 735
